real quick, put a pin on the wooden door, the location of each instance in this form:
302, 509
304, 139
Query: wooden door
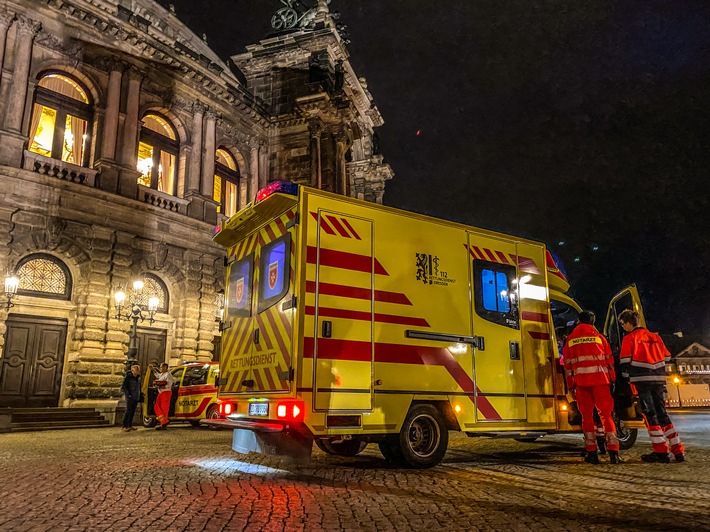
31, 371
151, 348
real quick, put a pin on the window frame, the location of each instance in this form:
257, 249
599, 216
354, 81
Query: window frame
266, 303
65, 296
160, 143
225, 173
63, 105
510, 319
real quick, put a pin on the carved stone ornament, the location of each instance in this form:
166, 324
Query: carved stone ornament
295, 14
55, 228
6, 17
198, 107
72, 48
28, 26
160, 254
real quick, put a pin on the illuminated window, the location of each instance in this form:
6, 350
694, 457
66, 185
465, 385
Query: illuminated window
226, 183
274, 272
61, 117
44, 276
157, 154
495, 293
153, 287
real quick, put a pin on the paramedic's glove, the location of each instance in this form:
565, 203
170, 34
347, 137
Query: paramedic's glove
612, 388
573, 392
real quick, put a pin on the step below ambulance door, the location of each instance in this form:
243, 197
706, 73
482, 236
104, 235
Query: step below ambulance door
343, 312
499, 370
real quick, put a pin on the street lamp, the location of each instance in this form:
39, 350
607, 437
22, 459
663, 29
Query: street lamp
12, 282
133, 309
676, 381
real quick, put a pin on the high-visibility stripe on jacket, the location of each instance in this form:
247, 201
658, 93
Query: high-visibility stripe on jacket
643, 356
588, 360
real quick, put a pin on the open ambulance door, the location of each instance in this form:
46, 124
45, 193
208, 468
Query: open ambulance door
628, 417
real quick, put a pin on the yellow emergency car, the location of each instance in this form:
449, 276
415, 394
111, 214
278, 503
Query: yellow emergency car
194, 395
348, 323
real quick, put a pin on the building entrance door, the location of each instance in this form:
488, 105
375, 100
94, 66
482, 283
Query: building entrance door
151, 348
31, 370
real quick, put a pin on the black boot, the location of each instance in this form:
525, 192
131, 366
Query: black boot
601, 444
592, 457
614, 457
663, 458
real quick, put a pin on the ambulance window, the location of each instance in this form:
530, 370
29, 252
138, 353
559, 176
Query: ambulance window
274, 271
195, 376
238, 296
614, 331
177, 375
495, 295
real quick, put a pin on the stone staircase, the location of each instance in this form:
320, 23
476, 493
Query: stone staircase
34, 419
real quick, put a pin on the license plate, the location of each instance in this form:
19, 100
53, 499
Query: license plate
259, 409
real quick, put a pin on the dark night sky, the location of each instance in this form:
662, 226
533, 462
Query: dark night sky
583, 122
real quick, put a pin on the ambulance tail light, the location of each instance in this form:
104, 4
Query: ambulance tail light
225, 408
290, 410
285, 187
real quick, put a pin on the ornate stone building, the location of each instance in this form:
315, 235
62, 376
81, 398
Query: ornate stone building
123, 140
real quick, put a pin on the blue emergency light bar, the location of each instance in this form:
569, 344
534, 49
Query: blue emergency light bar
285, 187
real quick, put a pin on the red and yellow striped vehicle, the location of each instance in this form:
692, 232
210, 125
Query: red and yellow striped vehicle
348, 323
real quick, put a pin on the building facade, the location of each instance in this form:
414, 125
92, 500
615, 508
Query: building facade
123, 140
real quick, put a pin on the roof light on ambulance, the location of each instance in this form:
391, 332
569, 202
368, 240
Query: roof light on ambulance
284, 187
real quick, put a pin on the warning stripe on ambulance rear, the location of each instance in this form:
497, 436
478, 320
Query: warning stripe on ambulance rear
526, 264
274, 327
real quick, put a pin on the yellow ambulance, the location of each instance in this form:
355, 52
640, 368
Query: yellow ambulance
348, 323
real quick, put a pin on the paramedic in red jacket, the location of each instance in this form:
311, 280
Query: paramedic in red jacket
589, 366
643, 358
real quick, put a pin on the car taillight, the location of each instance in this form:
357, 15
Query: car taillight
225, 409
290, 411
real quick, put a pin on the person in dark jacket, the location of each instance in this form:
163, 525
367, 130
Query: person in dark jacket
643, 359
131, 388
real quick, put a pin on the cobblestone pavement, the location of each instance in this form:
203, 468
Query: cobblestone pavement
189, 479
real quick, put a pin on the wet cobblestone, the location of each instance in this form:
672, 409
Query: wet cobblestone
189, 479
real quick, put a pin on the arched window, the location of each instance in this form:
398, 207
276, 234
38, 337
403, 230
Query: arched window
61, 118
44, 276
157, 154
153, 286
226, 182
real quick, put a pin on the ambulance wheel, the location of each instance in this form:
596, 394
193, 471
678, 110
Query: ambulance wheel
342, 448
149, 422
424, 437
627, 437
212, 413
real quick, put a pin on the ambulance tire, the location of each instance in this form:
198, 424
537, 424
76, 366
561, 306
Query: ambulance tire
149, 422
627, 437
424, 437
212, 413
342, 448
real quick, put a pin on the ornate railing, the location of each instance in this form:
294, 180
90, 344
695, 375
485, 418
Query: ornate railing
59, 169
162, 200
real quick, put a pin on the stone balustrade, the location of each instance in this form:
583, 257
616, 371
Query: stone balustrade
59, 169
162, 200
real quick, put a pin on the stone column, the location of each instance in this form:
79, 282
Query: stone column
6, 19
341, 175
193, 177
113, 101
253, 184
27, 29
210, 148
130, 125
263, 164
315, 129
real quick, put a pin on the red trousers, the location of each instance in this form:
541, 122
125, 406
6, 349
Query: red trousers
162, 407
587, 398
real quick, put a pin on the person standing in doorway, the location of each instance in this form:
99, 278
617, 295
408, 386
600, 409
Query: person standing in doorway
589, 366
131, 388
643, 359
164, 382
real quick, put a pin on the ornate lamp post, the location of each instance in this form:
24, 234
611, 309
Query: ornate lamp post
11, 284
133, 309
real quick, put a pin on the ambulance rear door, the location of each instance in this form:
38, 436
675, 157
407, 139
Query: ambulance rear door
259, 307
628, 298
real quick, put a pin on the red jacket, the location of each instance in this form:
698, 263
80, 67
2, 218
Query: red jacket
588, 360
643, 356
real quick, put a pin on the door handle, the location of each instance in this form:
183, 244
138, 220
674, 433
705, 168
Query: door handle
514, 350
327, 329
256, 336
